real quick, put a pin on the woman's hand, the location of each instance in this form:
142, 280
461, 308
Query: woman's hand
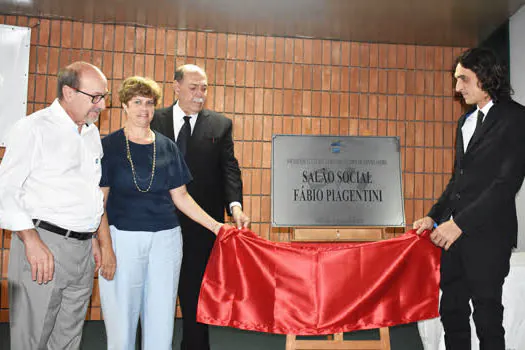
109, 262
218, 226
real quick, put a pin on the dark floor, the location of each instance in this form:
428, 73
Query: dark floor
405, 337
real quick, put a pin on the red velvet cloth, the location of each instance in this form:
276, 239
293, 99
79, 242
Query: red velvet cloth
318, 288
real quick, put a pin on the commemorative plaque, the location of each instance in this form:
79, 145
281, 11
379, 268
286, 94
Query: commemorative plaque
336, 181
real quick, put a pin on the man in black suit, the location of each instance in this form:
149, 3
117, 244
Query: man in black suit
205, 138
477, 211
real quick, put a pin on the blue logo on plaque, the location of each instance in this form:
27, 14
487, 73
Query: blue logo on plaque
335, 146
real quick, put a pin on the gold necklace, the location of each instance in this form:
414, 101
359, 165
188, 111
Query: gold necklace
128, 153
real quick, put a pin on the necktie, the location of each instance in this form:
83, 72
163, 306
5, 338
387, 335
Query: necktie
479, 123
184, 136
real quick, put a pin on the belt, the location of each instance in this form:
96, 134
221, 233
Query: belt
82, 236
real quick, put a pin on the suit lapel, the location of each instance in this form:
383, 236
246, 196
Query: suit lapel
459, 137
201, 127
200, 131
168, 123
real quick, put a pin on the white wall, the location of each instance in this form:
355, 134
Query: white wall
517, 79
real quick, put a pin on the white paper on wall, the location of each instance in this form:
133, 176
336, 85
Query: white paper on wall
14, 66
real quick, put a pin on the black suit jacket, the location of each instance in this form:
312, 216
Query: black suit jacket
481, 192
210, 158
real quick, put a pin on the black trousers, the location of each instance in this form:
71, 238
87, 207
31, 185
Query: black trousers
474, 269
197, 245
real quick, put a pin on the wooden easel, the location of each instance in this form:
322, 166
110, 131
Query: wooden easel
335, 234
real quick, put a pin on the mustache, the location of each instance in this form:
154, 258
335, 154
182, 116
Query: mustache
198, 100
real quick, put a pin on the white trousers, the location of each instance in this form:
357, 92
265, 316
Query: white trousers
145, 286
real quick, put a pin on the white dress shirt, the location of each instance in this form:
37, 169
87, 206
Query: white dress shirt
468, 128
178, 122
52, 173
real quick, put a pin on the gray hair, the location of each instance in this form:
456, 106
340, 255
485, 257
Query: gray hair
179, 72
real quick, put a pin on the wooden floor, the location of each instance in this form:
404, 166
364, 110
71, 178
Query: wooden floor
405, 337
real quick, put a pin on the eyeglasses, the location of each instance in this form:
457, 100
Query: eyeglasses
94, 98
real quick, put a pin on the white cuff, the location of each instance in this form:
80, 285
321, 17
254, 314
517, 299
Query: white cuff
235, 204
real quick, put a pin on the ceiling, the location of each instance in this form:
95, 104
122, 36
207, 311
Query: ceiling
426, 22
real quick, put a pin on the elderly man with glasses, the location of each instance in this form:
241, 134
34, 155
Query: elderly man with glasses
50, 199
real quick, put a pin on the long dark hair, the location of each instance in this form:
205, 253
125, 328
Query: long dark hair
491, 72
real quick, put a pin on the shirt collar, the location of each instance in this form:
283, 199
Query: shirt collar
486, 108
60, 116
178, 113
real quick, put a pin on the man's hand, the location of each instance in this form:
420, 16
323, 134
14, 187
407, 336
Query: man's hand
426, 223
240, 219
109, 262
446, 234
97, 255
38, 255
